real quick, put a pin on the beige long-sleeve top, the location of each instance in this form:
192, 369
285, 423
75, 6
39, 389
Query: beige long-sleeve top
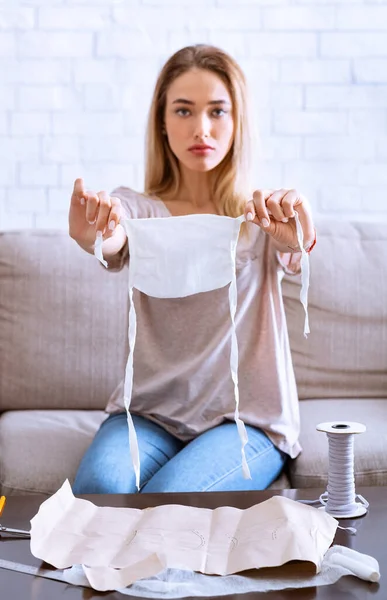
182, 378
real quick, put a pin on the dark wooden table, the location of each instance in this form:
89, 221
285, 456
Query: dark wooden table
371, 538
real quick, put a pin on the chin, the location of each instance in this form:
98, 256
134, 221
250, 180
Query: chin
201, 165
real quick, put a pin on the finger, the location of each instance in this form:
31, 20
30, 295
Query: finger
261, 211
114, 216
92, 202
289, 201
274, 205
250, 213
104, 207
78, 195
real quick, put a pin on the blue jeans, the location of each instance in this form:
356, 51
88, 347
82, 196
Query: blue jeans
210, 462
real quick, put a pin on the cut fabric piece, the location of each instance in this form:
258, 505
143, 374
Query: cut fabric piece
174, 258
118, 546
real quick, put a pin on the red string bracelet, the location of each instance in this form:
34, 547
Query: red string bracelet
313, 243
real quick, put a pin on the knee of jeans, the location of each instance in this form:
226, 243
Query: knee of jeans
103, 481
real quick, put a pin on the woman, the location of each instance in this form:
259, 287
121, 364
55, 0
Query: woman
183, 402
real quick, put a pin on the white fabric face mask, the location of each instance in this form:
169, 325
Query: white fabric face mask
174, 257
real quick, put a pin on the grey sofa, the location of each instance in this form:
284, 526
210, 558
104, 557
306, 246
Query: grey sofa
63, 347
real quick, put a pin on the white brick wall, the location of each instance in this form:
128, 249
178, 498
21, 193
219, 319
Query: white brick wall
76, 78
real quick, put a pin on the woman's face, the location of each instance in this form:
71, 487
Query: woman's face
198, 119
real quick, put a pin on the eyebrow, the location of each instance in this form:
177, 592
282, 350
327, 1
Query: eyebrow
185, 101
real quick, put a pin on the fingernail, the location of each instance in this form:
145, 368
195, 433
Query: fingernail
265, 223
112, 225
98, 235
285, 220
91, 222
250, 216
82, 201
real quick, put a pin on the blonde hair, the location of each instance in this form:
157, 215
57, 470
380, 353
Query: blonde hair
230, 180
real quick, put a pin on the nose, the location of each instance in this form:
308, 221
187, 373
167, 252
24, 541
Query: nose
202, 127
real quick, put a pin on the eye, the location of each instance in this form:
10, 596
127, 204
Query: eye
179, 111
219, 112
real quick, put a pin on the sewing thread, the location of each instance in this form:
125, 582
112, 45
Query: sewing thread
339, 499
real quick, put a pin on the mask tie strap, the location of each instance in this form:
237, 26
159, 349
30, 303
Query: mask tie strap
98, 249
128, 384
233, 298
128, 388
305, 273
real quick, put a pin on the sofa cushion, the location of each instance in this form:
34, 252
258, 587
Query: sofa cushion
63, 331
310, 469
40, 449
345, 355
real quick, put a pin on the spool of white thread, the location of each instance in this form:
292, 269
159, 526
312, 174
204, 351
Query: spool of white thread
340, 498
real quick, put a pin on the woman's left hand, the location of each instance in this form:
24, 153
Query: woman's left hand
273, 211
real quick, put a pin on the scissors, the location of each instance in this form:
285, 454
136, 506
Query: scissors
8, 531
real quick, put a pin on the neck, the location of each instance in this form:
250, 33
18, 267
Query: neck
195, 188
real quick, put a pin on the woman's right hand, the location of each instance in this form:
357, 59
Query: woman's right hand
92, 213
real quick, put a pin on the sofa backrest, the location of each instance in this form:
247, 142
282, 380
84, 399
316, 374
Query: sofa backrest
53, 295
345, 355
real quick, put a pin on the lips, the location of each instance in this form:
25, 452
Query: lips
201, 150
200, 147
